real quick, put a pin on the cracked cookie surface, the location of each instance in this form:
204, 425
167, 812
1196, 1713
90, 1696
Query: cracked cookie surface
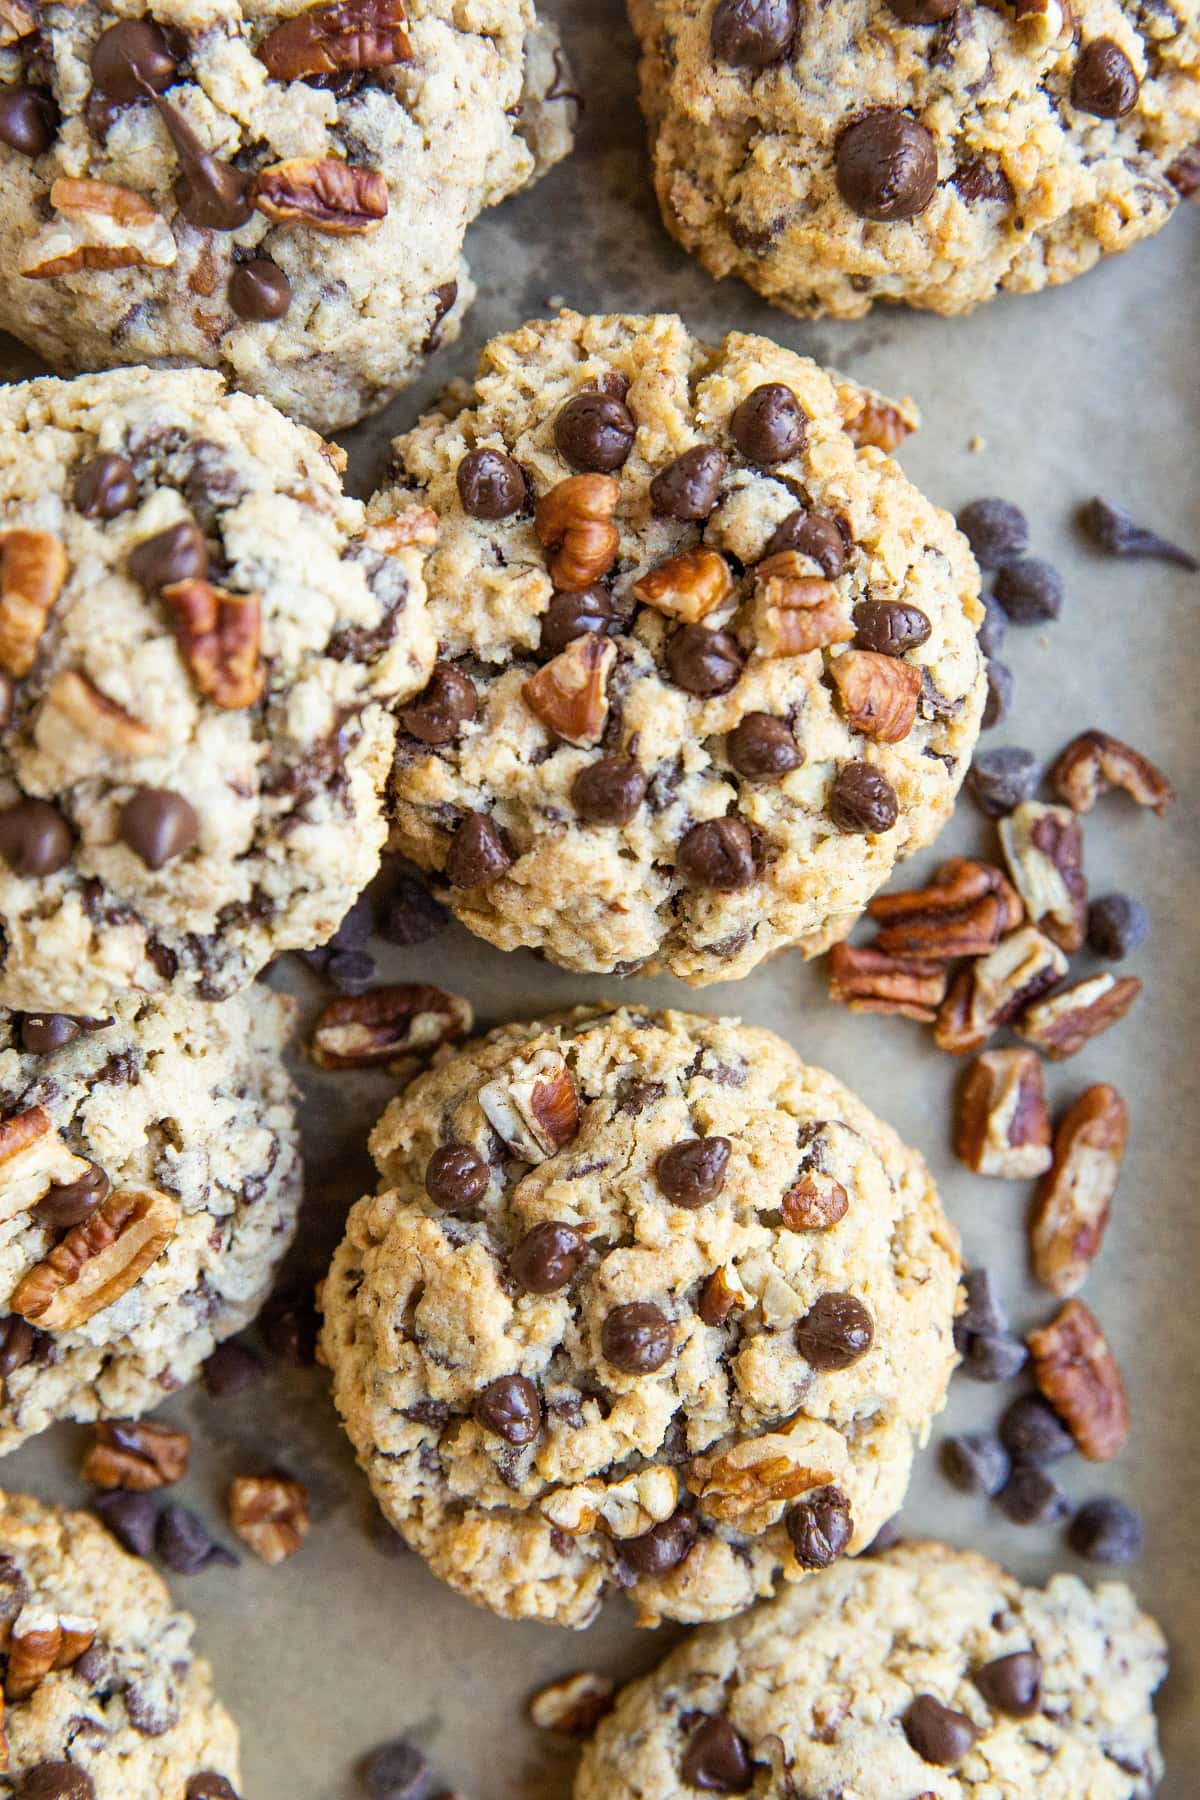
643, 1302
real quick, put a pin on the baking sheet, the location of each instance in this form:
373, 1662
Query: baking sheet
1090, 389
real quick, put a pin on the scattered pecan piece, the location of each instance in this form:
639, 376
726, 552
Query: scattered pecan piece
721, 1295
626, 1508
574, 1705
990, 992
97, 1261
74, 707
688, 586
136, 1454
965, 911
534, 1106
879, 694
1003, 1123
1093, 762
33, 568
868, 980
814, 1203
1043, 847
33, 1159
869, 419
99, 226
388, 1022
219, 635
1077, 1373
344, 36
574, 522
569, 694
340, 198
269, 1514
1064, 1022
750, 1484
42, 1641
1073, 1200
794, 613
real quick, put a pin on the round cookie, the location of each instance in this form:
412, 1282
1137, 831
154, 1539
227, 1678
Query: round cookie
643, 1302
916, 150
200, 650
129, 1711
708, 664
247, 187
843, 1686
149, 1186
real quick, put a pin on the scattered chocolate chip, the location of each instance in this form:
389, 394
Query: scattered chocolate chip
994, 629
177, 554
350, 971
130, 57
158, 825
1012, 1684
753, 34
1107, 1531
490, 485
18, 1340
571, 616
993, 1356
662, 1548
717, 856
937, 1733
28, 119
230, 1370
1032, 1432
55, 1781
692, 1173
862, 800
886, 166
184, 1544
1000, 780
259, 291
411, 915
975, 1463
1105, 82
440, 711
1115, 532
73, 1202
456, 1179
889, 627
1001, 685
1117, 926
704, 662
717, 1758
810, 534
820, 1528
477, 855
105, 486
1030, 591
510, 1407
609, 792
444, 300
769, 426
997, 531
1031, 1497
396, 1771
35, 839
547, 1257
923, 12
210, 1786
638, 1338
835, 1333
690, 487
288, 1327
595, 431
762, 748
982, 1310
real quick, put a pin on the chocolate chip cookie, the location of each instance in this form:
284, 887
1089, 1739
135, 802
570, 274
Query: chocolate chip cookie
925, 1671
149, 1185
707, 660
248, 187
645, 1303
106, 1696
917, 150
200, 651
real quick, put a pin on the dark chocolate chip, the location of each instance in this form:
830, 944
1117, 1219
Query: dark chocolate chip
43, 1033
982, 1310
717, 856
35, 839
923, 12
55, 1781
440, 711
769, 426
1000, 780
444, 298
209, 1786
350, 971
820, 1527
811, 534
176, 554
887, 166
259, 291
690, 487
975, 1463
937, 1733
994, 629
158, 825
1031, 1497
1001, 685
1116, 533
835, 1333
662, 1548
1107, 1531
456, 1179
131, 57
1105, 82
1032, 1432
396, 1771
411, 915
490, 484
997, 531
547, 1257
693, 1172
595, 431
105, 486
992, 1356
704, 662
762, 748
510, 1407
609, 792
477, 855
28, 119
71, 1203
1012, 1684
1117, 926
184, 1544
978, 181
717, 1758
132, 1519
753, 34
889, 627
17, 1343
1030, 591
209, 193
230, 1370
288, 1327
638, 1338
862, 800
570, 616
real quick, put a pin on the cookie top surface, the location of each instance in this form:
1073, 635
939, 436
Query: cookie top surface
645, 1302
824, 1690
640, 748
916, 150
131, 1712
189, 609
247, 186
149, 1185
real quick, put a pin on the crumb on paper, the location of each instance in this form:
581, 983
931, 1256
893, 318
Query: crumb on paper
976, 444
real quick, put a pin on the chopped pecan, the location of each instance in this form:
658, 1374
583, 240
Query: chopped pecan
342, 37
219, 635
879, 694
534, 1106
99, 226
269, 1514
876, 422
136, 1454
74, 707
814, 1203
750, 1484
97, 1261
1043, 847
1073, 1200
33, 1159
627, 1508
965, 911
569, 694
1051, 19
688, 586
1078, 1374
1094, 762
574, 1705
411, 525
574, 522
990, 992
721, 1295
18, 19
340, 198
867, 980
1003, 1123
1062, 1023
42, 1641
794, 613
33, 567
388, 1022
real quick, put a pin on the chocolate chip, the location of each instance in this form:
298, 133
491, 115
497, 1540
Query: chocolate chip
820, 1528
609, 792
638, 1338
209, 193
510, 1407
177, 554
753, 34
1117, 926
209, 1786
105, 486
411, 914
704, 662
288, 1327
889, 627
979, 181
1107, 1531
769, 425
862, 800
1000, 780
350, 971
43, 1033
132, 1519
440, 711
444, 298
1001, 685
717, 856
835, 1333
937, 1733
396, 1771
997, 531
595, 431
810, 534
993, 1356
975, 1463
1012, 1684
690, 487
887, 166
762, 748
35, 839
692, 1173
184, 1544
55, 1781
923, 12
571, 616
490, 485
1105, 82
1030, 591
1116, 533
456, 1179
28, 119
547, 1257
982, 1310
158, 825
994, 628
662, 1548
477, 855
230, 1370
71, 1203
17, 1343
717, 1758
1031, 1497
259, 291
1032, 1432
130, 57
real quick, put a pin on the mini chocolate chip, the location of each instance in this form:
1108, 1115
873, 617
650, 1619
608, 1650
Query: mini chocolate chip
1107, 1531
937, 1733
923, 12
73, 1202
1105, 82
1012, 1684
889, 627
510, 1407
17, 1343
35, 839
184, 1544
176, 554
490, 484
595, 431
769, 425
209, 193
835, 1333
1117, 926
704, 662
717, 855
1031, 1497
887, 166
609, 792
259, 291
1030, 591
571, 616
28, 119
862, 800
762, 748
477, 855
43, 1033
820, 1527
1116, 533
1001, 685
717, 1758
411, 915
982, 1310
130, 57
992, 1356
440, 711
132, 1519
1031, 1431
209, 1786
230, 1370
547, 1257
662, 1548
690, 487
158, 825
1000, 780
753, 34
105, 486
693, 1172
638, 1338
975, 1463
997, 531
994, 629
811, 534
456, 1179
55, 1781
396, 1771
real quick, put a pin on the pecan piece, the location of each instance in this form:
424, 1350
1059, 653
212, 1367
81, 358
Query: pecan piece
990, 992
627, 1508
33, 568
97, 1261
99, 226
867, 980
1073, 1200
75, 709
1003, 1122
1049, 19
269, 1514
814, 1203
574, 1705
1064, 1022
569, 693
751, 1484
1043, 847
869, 419
219, 635
534, 1106
965, 911
574, 522
688, 586
136, 1454
794, 613
1077, 1373
42, 1641
33, 1159
721, 1295
388, 1022
1093, 762
344, 36
323, 192
879, 694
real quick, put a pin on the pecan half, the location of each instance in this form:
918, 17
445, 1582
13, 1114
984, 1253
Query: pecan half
625, 1508
1064, 1022
41, 1641
1094, 762
751, 1484
340, 198
219, 635
1003, 1122
1073, 1200
879, 694
33, 1159
534, 1106
33, 568
569, 694
793, 613
868, 980
136, 1454
1078, 1374
99, 226
965, 911
574, 1705
345, 36
574, 522
990, 992
97, 1261
75, 708
1043, 847
688, 586
269, 1514
814, 1203
869, 419
388, 1022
